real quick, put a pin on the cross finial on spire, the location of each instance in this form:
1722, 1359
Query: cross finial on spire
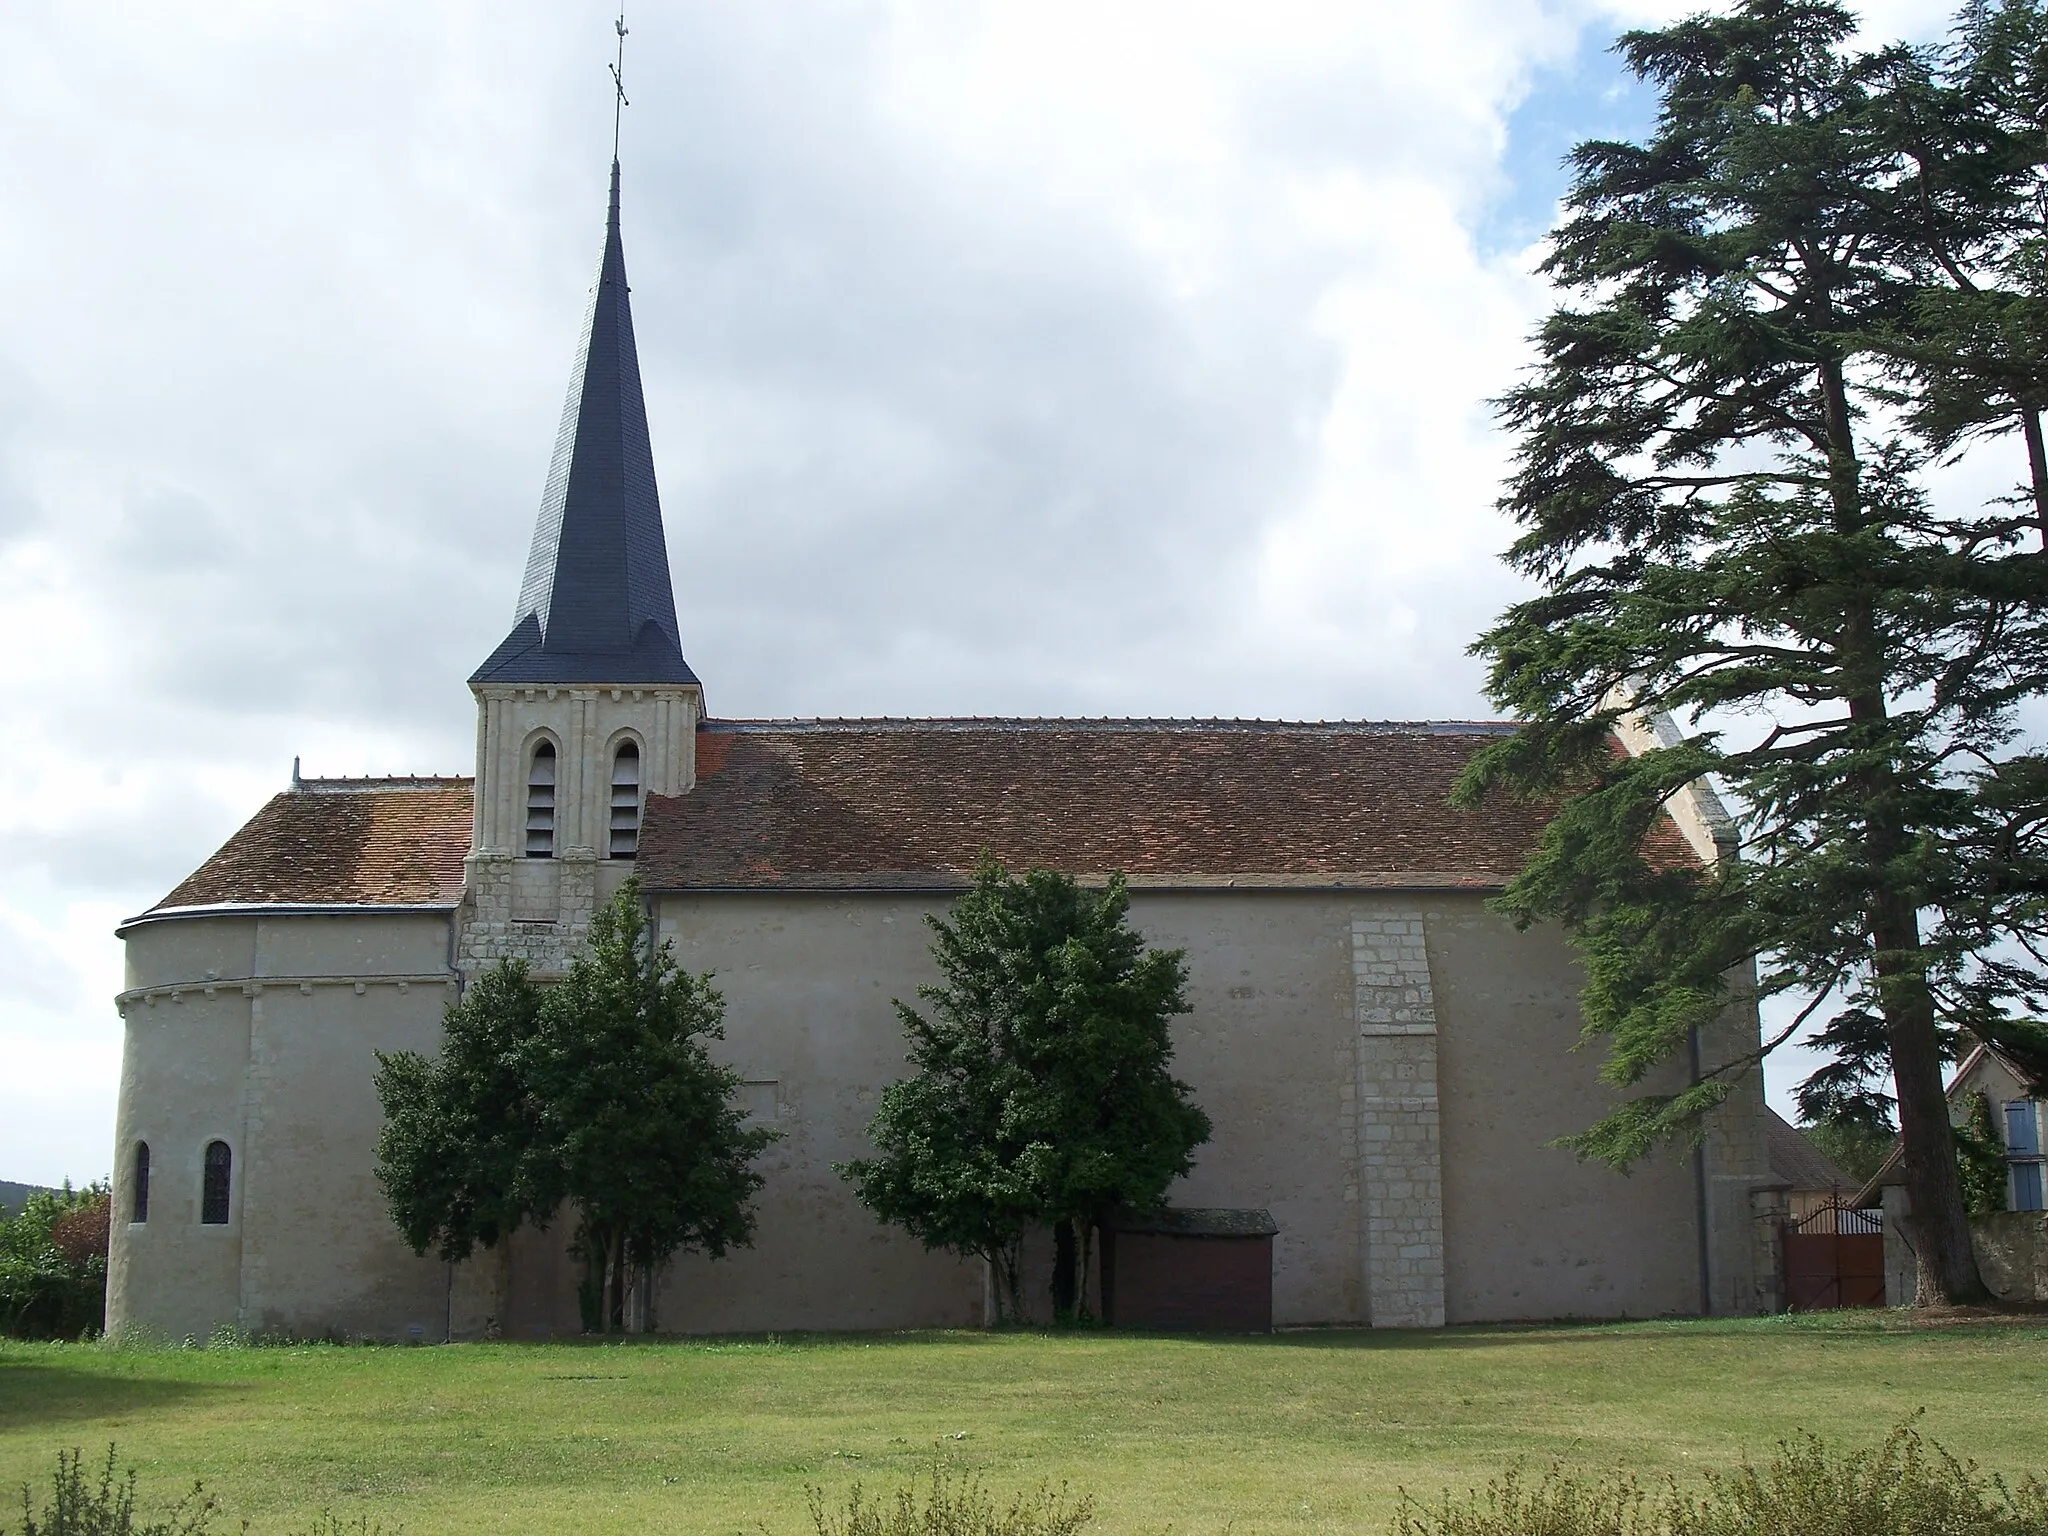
619, 83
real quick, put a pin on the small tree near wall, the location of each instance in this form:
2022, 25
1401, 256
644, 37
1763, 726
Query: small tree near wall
598, 1092
1042, 1094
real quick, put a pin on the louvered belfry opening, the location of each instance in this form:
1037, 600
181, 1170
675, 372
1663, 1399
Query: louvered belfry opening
626, 802
540, 803
216, 1184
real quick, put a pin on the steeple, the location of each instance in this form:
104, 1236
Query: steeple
596, 605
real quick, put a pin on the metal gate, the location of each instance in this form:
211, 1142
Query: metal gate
1834, 1258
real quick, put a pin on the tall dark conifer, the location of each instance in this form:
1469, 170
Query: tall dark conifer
1721, 493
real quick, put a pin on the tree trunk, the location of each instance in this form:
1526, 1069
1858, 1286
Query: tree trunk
615, 1304
1939, 1225
1010, 1280
1085, 1312
590, 1289
1063, 1263
2037, 467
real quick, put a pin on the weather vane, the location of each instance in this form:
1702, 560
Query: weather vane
619, 81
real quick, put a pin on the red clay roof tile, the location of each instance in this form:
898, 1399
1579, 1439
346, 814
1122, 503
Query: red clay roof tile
354, 841
853, 804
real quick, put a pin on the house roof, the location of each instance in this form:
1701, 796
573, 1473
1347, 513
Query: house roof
1797, 1161
911, 804
341, 842
596, 605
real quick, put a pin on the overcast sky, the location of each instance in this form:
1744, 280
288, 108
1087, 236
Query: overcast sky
1034, 358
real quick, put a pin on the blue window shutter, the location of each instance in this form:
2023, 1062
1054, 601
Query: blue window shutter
2022, 1132
2026, 1187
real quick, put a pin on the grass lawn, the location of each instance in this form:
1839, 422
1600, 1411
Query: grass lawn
1301, 1432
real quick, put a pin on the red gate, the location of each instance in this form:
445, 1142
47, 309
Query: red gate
1834, 1258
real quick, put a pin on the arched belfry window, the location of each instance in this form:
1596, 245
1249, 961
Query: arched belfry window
540, 803
626, 802
141, 1209
215, 1183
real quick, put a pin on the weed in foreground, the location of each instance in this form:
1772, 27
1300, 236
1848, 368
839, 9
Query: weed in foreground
79, 1506
946, 1505
1902, 1486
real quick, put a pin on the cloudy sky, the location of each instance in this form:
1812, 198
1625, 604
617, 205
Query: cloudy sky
1004, 358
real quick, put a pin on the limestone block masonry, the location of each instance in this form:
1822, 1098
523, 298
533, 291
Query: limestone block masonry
1399, 1135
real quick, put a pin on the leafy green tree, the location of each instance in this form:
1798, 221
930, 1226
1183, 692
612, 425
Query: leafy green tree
1722, 501
640, 1130
459, 1153
53, 1264
1043, 1093
1857, 1145
598, 1093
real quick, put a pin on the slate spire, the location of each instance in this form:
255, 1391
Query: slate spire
596, 605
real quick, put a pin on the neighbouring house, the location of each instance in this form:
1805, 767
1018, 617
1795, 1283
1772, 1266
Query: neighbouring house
2017, 1110
1387, 1062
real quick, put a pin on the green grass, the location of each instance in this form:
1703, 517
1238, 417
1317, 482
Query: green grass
1303, 1432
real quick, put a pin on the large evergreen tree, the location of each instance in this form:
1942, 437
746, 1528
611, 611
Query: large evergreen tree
1043, 1093
597, 1092
1722, 493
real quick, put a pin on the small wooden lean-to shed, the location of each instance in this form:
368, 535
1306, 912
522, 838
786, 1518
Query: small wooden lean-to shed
1204, 1269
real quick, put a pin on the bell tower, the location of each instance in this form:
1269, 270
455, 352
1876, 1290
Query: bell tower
587, 706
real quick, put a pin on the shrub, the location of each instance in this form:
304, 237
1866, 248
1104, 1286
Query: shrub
53, 1265
1562, 1502
1903, 1486
948, 1506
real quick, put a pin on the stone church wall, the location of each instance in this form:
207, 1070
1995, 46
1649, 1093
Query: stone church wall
262, 1032
1383, 1072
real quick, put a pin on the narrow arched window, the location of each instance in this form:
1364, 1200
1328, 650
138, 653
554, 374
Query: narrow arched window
141, 1181
540, 803
626, 802
213, 1190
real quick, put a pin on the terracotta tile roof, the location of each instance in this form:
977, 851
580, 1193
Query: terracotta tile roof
910, 804
380, 841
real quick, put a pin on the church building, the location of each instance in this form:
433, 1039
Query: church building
1385, 1060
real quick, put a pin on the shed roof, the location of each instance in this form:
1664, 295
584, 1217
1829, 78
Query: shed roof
1197, 1221
1795, 1160
911, 804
